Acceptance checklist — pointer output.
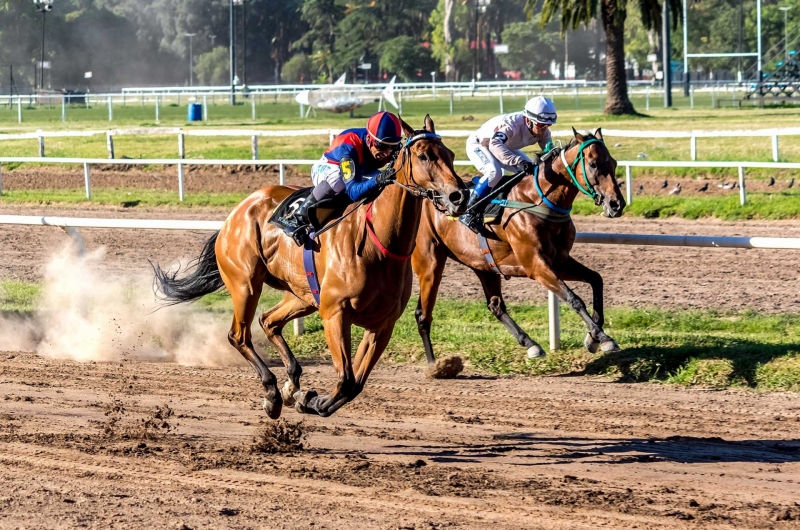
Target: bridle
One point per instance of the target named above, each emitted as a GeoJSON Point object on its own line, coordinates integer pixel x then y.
{"type": "Point", "coordinates": [588, 188]}
{"type": "Point", "coordinates": [405, 164]}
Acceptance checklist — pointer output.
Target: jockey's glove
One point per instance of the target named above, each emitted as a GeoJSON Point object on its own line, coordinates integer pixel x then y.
{"type": "Point", "coordinates": [387, 176]}
{"type": "Point", "coordinates": [529, 167]}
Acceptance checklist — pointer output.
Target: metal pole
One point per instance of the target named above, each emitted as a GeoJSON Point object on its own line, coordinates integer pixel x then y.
{"type": "Point", "coordinates": [180, 182]}
{"type": "Point", "coordinates": [299, 326]}
{"type": "Point", "coordinates": [63, 109]}
{"type": "Point", "coordinates": [774, 147]}
{"type": "Point", "coordinates": [110, 144]}
{"type": "Point", "coordinates": [232, 47]}
{"type": "Point", "coordinates": [41, 65]}
{"type": "Point", "coordinates": [252, 106]}
{"type": "Point", "coordinates": [86, 182]}
{"type": "Point", "coordinates": [158, 99]}
{"type": "Point", "coordinates": [451, 102]}
{"type": "Point", "coordinates": [254, 147]}
{"type": "Point", "coordinates": [1, 179]}
{"type": "Point", "coordinates": [693, 147]}
{"type": "Point", "coordinates": [191, 60]}
{"type": "Point", "coordinates": [686, 80]}
{"type": "Point", "coordinates": [41, 145]}
{"type": "Point", "coordinates": [555, 321]}
{"type": "Point", "coordinates": [758, 32]}
{"type": "Point", "coordinates": [501, 102]}
{"type": "Point", "coordinates": [691, 97]}
{"type": "Point", "coordinates": [742, 193]}
{"type": "Point", "coordinates": [110, 111]}
{"type": "Point", "coordinates": [281, 175]}
{"type": "Point", "coordinates": [666, 55]}
{"type": "Point", "coordinates": [628, 185]}
{"type": "Point", "coordinates": [19, 109]}
{"type": "Point", "coordinates": [181, 146]}
{"type": "Point", "coordinates": [205, 108]}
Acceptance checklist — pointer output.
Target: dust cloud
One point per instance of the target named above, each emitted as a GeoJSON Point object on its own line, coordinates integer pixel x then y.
{"type": "Point", "coordinates": [86, 314]}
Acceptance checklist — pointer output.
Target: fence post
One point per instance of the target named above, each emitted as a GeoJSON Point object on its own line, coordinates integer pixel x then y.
{"type": "Point", "coordinates": [647, 97]}
{"type": "Point", "coordinates": [180, 182]}
{"type": "Point", "coordinates": [63, 109]}
{"type": "Point", "coordinates": [281, 175]}
{"type": "Point", "coordinates": [400, 103]}
{"type": "Point", "coordinates": [1, 179]}
{"type": "Point", "coordinates": [693, 147]}
{"type": "Point", "coordinates": [205, 108]}
{"type": "Point", "coordinates": [110, 144]}
{"type": "Point", "coordinates": [158, 98]}
{"type": "Point", "coordinates": [19, 109]}
{"type": "Point", "coordinates": [252, 107]}
{"type": "Point", "coordinates": [501, 102]}
{"type": "Point", "coordinates": [742, 193]}
{"type": "Point", "coordinates": [554, 317]}
{"type": "Point", "coordinates": [86, 181]}
{"type": "Point", "coordinates": [110, 110]}
{"type": "Point", "coordinates": [302, 107]}
{"type": "Point", "coordinates": [41, 144]}
{"type": "Point", "coordinates": [691, 96]}
{"type": "Point", "coordinates": [451, 102]}
{"type": "Point", "coordinates": [254, 147]}
{"type": "Point", "coordinates": [181, 146]}
{"type": "Point", "coordinates": [299, 326]}
{"type": "Point", "coordinates": [774, 147]}
{"type": "Point", "coordinates": [629, 184]}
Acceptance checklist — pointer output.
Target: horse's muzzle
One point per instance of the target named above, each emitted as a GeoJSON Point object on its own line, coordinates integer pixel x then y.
{"type": "Point", "coordinates": [456, 202]}
{"type": "Point", "coordinates": [613, 207]}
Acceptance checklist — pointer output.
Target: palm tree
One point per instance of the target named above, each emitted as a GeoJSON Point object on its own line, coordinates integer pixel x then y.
{"type": "Point", "coordinates": [613, 14]}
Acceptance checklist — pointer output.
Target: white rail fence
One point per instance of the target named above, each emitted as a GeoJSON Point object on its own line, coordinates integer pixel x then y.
{"type": "Point", "coordinates": [71, 223]}
{"type": "Point", "coordinates": [181, 163]}
{"type": "Point", "coordinates": [255, 134]}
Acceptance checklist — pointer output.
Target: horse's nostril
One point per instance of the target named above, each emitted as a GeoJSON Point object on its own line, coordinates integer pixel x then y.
{"type": "Point", "coordinates": [614, 205]}
{"type": "Point", "coordinates": [456, 197]}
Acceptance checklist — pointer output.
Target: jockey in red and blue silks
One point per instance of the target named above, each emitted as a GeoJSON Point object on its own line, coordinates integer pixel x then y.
{"type": "Point", "coordinates": [352, 164]}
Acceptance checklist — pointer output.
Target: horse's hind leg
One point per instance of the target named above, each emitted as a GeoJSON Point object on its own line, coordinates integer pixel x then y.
{"type": "Point", "coordinates": [245, 294]}
{"type": "Point", "coordinates": [494, 301]}
{"type": "Point", "coordinates": [574, 270]}
{"type": "Point", "coordinates": [273, 322]}
{"type": "Point", "coordinates": [428, 265]}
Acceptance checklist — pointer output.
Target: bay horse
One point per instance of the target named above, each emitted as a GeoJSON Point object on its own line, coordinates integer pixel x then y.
{"type": "Point", "coordinates": [362, 267]}
{"type": "Point", "coordinates": [534, 242]}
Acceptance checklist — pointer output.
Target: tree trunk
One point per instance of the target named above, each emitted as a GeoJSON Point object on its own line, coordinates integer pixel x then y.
{"type": "Point", "coordinates": [617, 101]}
{"type": "Point", "coordinates": [449, 66]}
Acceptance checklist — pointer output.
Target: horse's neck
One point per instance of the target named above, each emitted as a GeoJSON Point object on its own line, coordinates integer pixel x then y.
{"type": "Point", "coordinates": [395, 217]}
{"type": "Point", "coordinates": [554, 183]}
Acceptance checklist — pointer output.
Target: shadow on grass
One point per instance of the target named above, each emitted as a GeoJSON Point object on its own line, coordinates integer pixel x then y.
{"type": "Point", "coordinates": [736, 362]}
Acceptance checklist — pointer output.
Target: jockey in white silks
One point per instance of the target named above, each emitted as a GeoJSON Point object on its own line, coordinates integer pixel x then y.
{"type": "Point", "coordinates": [497, 145]}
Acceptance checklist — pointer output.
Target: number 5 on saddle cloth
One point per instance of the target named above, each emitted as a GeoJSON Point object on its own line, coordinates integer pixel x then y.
{"type": "Point", "coordinates": [319, 214]}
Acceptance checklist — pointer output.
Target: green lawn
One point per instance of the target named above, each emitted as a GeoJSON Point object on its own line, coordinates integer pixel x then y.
{"type": "Point", "coordinates": [704, 348]}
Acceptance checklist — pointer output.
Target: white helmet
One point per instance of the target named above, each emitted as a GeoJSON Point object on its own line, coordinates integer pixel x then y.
{"type": "Point", "coordinates": [541, 110]}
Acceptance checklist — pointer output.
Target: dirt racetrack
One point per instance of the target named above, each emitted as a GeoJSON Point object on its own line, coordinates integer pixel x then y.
{"type": "Point", "coordinates": [147, 445]}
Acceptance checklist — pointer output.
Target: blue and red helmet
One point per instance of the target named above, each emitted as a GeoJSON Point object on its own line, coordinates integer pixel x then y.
{"type": "Point", "coordinates": [385, 128]}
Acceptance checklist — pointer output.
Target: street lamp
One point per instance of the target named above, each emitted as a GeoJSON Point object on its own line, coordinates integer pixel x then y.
{"type": "Point", "coordinates": [785, 31]}
{"type": "Point", "coordinates": [480, 7]}
{"type": "Point", "coordinates": [42, 6]}
{"type": "Point", "coordinates": [191, 57]}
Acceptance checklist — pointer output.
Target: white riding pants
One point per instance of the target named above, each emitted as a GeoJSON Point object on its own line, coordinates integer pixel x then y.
{"type": "Point", "coordinates": [485, 162]}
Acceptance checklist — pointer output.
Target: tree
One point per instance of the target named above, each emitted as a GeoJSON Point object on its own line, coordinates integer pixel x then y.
{"type": "Point", "coordinates": [297, 69]}
{"type": "Point", "coordinates": [404, 57]}
{"type": "Point", "coordinates": [612, 14]}
{"type": "Point", "coordinates": [530, 49]}
{"type": "Point", "coordinates": [212, 68]}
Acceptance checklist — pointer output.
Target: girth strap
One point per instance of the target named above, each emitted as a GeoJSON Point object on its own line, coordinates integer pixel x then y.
{"type": "Point", "coordinates": [371, 231]}
{"type": "Point", "coordinates": [483, 244]}
{"type": "Point", "coordinates": [310, 266]}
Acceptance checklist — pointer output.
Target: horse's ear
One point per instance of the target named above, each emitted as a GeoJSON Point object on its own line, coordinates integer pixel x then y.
{"type": "Point", "coordinates": [429, 124]}
{"type": "Point", "coordinates": [578, 136]}
{"type": "Point", "coordinates": [598, 134]}
{"type": "Point", "coordinates": [406, 128]}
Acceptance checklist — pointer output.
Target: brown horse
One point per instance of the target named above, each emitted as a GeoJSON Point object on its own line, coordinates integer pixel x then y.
{"type": "Point", "coordinates": [363, 269]}
{"type": "Point", "coordinates": [535, 243]}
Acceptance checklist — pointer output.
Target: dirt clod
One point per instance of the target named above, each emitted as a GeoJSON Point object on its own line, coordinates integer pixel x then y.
{"type": "Point", "coordinates": [445, 368]}
{"type": "Point", "coordinates": [279, 437]}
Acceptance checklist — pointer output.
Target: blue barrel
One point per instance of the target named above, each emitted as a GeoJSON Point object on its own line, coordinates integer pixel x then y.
{"type": "Point", "coordinates": [194, 112]}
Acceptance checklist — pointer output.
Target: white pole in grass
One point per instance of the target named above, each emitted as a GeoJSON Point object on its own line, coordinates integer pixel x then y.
{"type": "Point", "coordinates": [252, 107]}
{"type": "Point", "coordinates": [693, 147]}
{"type": "Point", "coordinates": [774, 147]}
{"type": "Point", "coordinates": [501, 102]}
{"type": "Point", "coordinates": [41, 144]}
{"type": "Point", "coordinates": [647, 97]}
{"type": "Point", "coordinates": [181, 145]}
{"type": "Point", "coordinates": [180, 182]}
{"type": "Point", "coordinates": [205, 108]}
{"type": "Point", "coordinates": [281, 175]}
{"type": "Point", "coordinates": [110, 110]}
{"type": "Point", "coordinates": [19, 109]}
{"type": "Point", "coordinates": [299, 326]}
{"type": "Point", "coordinates": [63, 109]}
{"type": "Point", "coordinates": [110, 144]}
{"type": "Point", "coordinates": [86, 181]}
{"type": "Point", "coordinates": [254, 147]}
{"type": "Point", "coordinates": [742, 193]}
{"type": "Point", "coordinates": [158, 99]}
{"type": "Point", "coordinates": [629, 185]}
{"type": "Point", "coordinates": [555, 321]}
{"type": "Point", "coordinates": [1, 179]}
{"type": "Point", "coordinates": [451, 102]}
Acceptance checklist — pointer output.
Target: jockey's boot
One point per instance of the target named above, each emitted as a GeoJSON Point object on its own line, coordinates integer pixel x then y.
{"type": "Point", "coordinates": [297, 223]}
{"type": "Point", "coordinates": [474, 218]}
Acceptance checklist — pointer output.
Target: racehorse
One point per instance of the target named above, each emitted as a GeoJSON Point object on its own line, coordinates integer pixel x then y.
{"type": "Point", "coordinates": [362, 268]}
{"type": "Point", "coordinates": [531, 240]}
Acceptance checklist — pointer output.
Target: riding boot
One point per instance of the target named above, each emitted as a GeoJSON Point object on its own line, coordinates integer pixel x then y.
{"type": "Point", "coordinates": [297, 223]}
{"type": "Point", "coordinates": [474, 218]}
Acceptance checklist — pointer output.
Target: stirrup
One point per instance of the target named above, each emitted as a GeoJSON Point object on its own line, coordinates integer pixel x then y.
{"type": "Point", "coordinates": [299, 235]}
{"type": "Point", "coordinates": [473, 221]}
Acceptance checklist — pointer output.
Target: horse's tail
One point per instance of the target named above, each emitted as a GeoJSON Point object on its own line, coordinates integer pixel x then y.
{"type": "Point", "coordinates": [205, 278]}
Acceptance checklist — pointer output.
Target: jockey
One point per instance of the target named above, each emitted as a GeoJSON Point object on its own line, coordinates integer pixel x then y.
{"type": "Point", "coordinates": [496, 146]}
{"type": "Point", "coordinates": [354, 157]}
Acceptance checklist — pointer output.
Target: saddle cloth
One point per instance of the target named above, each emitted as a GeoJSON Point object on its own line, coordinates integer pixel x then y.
{"type": "Point", "coordinates": [320, 214]}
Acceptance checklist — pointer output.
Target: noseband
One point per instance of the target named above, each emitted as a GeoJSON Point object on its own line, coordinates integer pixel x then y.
{"type": "Point", "coordinates": [413, 187]}
{"type": "Point", "coordinates": [589, 189]}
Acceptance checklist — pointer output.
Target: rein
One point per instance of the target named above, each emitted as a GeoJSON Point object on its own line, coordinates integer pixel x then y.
{"type": "Point", "coordinates": [589, 190]}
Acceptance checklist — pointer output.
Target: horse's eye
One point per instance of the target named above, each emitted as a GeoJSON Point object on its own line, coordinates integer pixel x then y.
{"type": "Point", "coordinates": [423, 157]}
{"type": "Point", "coordinates": [593, 165]}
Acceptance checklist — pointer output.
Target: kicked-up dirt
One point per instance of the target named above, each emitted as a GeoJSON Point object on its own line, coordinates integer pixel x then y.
{"type": "Point", "coordinates": [149, 445]}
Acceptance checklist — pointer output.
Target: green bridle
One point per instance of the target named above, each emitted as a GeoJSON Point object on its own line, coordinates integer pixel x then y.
{"type": "Point", "coordinates": [589, 189]}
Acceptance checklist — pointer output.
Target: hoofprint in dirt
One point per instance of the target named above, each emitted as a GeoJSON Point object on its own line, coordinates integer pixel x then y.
{"type": "Point", "coordinates": [638, 276]}
{"type": "Point", "coordinates": [150, 445]}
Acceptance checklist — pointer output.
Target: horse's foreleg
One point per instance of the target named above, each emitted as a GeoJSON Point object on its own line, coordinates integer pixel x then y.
{"type": "Point", "coordinates": [494, 301]}
{"type": "Point", "coordinates": [273, 322]}
{"type": "Point", "coordinates": [337, 335]}
{"type": "Point", "coordinates": [428, 265]}
{"type": "Point", "coordinates": [543, 272]}
{"type": "Point", "coordinates": [369, 351]}
{"type": "Point", "coordinates": [245, 301]}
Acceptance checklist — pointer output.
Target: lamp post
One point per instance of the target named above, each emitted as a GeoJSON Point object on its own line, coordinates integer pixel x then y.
{"type": "Point", "coordinates": [785, 30]}
{"type": "Point", "coordinates": [43, 7]}
{"type": "Point", "coordinates": [191, 57]}
{"type": "Point", "coordinates": [480, 7]}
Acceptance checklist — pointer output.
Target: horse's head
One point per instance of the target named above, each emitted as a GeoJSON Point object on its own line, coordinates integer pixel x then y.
{"type": "Point", "coordinates": [592, 169]}
{"type": "Point", "coordinates": [426, 163]}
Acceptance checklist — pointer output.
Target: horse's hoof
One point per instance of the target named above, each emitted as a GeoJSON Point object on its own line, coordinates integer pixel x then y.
{"type": "Point", "coordinates": [610, 346]}
{"type": "Point", "coordinates": [590, 343]}
{"type": "Point", "coordinates": [301, 400]}
{"type": "Point", "coordinates": [287, 393]}
{"type": "Point", "coordinates": [273, 407]}
{"type": "Point", "coordinates": [536, 351]}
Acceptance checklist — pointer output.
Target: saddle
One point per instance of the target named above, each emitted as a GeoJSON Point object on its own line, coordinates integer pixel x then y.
{"type": "Point", "coordinates": [320, 214]}
{"type": "Point", "coordinates": [493, 212]}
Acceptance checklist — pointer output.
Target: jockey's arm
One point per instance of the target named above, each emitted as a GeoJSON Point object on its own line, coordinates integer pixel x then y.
{"type": "Point", "coordinates": [498, 147]}
{"type": "Point", "coordinates": [355, 185]}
